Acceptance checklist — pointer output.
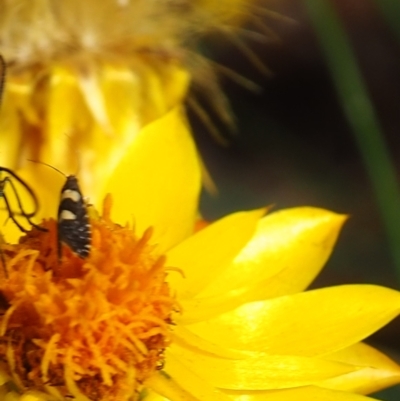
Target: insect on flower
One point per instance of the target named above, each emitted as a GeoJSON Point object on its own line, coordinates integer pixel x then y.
{"type": "Point", "coordinates": [73, 226]}
{"type": "Point", "coordinates": [73, 220]}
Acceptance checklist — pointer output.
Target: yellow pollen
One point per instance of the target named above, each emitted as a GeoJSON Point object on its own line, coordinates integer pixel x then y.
{"type": "Point", "coordinates": [93, 328]}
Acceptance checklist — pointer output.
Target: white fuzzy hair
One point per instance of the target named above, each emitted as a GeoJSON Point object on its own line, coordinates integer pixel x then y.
{"type": "Point", "coordinates": [37, 32]}
{"type": "Point", "coordinates": [34, 34]}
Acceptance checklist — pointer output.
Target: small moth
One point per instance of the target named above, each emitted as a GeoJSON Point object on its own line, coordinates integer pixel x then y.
{"type": "Point", "coordinates": [73, 227]}
{"type": "Point", "coordinates": [73, 221]}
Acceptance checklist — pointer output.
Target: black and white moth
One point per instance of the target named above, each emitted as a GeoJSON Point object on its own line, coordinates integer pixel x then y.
{"type": "Point", "coordinates": [73, 220]}
{"type": "Point", "coordinates": [73, 227]}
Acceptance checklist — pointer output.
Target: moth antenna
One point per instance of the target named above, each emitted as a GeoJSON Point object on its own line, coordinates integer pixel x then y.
{"type": "Point", "coordinates": [48, 165]}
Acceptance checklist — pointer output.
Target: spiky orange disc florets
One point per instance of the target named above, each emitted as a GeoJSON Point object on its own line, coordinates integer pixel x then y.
{"type": "Point", "coordinates": [92, 329]}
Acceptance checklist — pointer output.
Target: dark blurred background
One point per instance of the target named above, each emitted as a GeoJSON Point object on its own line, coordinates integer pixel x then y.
{"type": "Point", "coordinates": [295, 147]}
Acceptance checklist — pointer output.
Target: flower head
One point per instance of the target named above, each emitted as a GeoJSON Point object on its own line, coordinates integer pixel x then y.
{"type": "Point", "coordinates": [221, 310]}
{"type": "Point", "coordinates": [96, 327]}
{"type": "Point", "coordinates": [85, 77]}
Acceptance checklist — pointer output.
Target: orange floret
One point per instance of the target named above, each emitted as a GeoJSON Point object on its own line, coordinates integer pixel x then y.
{"type": "Point", "coordinates": [93, 329]}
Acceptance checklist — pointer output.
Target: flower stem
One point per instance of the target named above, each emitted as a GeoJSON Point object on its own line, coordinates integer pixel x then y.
{"type": "Point", "coordinates": [361, 115]}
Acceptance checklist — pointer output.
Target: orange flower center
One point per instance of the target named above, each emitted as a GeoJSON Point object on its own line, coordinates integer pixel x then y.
{"type": "Point", "coordinates": [94, 329]}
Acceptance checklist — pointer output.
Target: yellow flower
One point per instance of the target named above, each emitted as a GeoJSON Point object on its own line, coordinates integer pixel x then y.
{"type": "Point", "coordinates": [169, 312]}
{"type": "Point", "coordinates": [85, 77]}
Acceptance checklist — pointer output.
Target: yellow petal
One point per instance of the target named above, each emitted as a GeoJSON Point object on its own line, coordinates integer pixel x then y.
{"type": "Point", "coordinates": [311, 323]}
{"type": "Point", "coordinates": [151, 395]}
{"type": "Point", "coordinates": [379, 371]}
{"type": "Point", "coordinates": [175, 80]}
{"type": "Point", "coordinates": [259, 372]}
{"type": "Point", "coordinates": [123, 100]}
{"type": "Point", "coordinates": [95, 113]}
{"type": "Point", "coordinates": [299, 394]}
{"type": "Point", "coordinates": [187, 339]}
{"type": "Point", "coordinates": [13, 396]}
{"type": "Point", "coordinates": [154, 101]}
{"type": "Point", "coordinates": [157, 182]}
{"type": "Point", "coordinates": [114, 99]}
{"type": "Point", "coordinates": [89, 83]}
{"type": "Point", "coordinates": [183, 385]}
{"type": "Point", "coordinates": [202, 256]}
{"type": "Point", "coordinates": [166, 387]}
{"type": "Point", "coordinates": [200, 309]}
{"type": "Point", "coordinates": [288, 250]}
{"type": "Point", "coordinates": [35, 396]}
{"type": "Point", "coordinates": [66, 112]}
{"type": "Point", "coordinates": [10, 133]}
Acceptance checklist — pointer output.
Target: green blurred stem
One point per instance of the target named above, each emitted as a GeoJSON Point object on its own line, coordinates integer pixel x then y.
{"type": "Point", "coordinates": [361, 116]}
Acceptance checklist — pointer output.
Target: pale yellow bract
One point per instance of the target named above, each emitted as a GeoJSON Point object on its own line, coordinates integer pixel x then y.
{"type": "Point", "coordinates": [82, 122]}
{"type": "Point", "coordinates": [247, 331]}
{"type": "Point", "coordinates": [84, 77]}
